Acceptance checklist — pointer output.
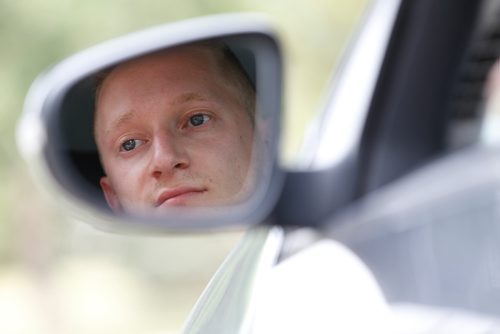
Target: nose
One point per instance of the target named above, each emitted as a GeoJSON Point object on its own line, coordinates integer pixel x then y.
{"type": "Point", "coordinates": [167, 156]}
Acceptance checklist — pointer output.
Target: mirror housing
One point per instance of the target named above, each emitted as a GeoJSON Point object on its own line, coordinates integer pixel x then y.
{"type": "Point", "coordinates": [58, 108]}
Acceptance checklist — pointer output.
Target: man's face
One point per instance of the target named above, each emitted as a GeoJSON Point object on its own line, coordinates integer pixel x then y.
{"type": "Point", "coordinates": [172, 131]}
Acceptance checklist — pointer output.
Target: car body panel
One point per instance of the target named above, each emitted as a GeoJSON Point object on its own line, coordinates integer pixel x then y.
{"type": "Point", "coordinates": [228, 303]}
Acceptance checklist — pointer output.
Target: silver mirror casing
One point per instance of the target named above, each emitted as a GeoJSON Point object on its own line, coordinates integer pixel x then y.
{"type": "Point", "coordinates": [41, 138]}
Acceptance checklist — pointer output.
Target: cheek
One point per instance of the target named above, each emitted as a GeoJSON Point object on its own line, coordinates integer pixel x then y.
{"type": "Point", "coordinates": [243, 149]}
{"type": "Point", "coordinates": [229, 161]}
{"type": "Point", "coordinates": [127, 180]}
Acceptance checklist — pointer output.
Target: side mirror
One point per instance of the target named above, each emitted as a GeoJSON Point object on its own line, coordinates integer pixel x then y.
{"type": "Point", "coordinates": [176, 127]}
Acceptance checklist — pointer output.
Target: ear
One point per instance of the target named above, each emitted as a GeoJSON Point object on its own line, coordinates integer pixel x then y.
{"type": "Point", "coordinates": [110, 195]}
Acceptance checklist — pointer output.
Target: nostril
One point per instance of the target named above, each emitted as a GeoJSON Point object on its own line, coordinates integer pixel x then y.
{"type": "Point", "coordinates": [180, 165]}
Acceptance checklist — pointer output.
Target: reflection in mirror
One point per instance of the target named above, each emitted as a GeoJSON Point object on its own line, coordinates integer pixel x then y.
{"type": "Point", "coordinates": [175, 128]}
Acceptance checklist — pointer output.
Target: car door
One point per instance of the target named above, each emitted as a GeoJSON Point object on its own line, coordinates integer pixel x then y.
{"type": "Point", "coordinates": [425, 221]}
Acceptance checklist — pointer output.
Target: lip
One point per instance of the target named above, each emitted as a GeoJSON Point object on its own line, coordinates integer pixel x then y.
{"type": "Point", "coordinates": [178, 195]}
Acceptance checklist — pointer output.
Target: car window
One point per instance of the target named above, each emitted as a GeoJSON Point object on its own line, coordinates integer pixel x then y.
{"type": "Point", "coordinates": [58, 275]}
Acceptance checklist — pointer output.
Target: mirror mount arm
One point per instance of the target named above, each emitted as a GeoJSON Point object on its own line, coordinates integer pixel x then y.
{"type": "Point", "coordinates": [309, 198]}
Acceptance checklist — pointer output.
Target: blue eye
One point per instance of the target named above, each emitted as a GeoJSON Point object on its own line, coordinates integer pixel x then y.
{"type": "Point", "coordinates": [198, 119]}
{"type": "Point", "coordinates": [130, 144]}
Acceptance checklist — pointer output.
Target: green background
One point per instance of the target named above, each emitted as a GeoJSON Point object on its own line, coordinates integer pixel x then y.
{"type": "Point", "coordinates": [58, 275]}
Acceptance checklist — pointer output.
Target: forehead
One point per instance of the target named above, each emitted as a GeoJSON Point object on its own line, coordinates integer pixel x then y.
{"type": "Point", "coordinates": [137, 84]}
{"type": "Point", "coordinates": [164, 73]}
{"type": "Point", "coordinates": [172, 63]}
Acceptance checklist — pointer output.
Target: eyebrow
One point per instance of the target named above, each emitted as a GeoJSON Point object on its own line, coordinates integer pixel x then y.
{"type": "Point", "coordinates": [188, 97]}
{"type": "Point", "coordinates": [125, 117]}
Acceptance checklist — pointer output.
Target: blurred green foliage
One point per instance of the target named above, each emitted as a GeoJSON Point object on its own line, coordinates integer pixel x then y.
{"type": "Point", "coordinates": [37, 33]}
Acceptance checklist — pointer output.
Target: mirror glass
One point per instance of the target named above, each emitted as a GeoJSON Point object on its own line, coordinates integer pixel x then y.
{"type": "Point", "coordinates": [178, 129]}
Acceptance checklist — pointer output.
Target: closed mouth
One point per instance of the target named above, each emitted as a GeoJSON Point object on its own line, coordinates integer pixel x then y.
{"type": "Point", "coordinates": [178, 196]}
